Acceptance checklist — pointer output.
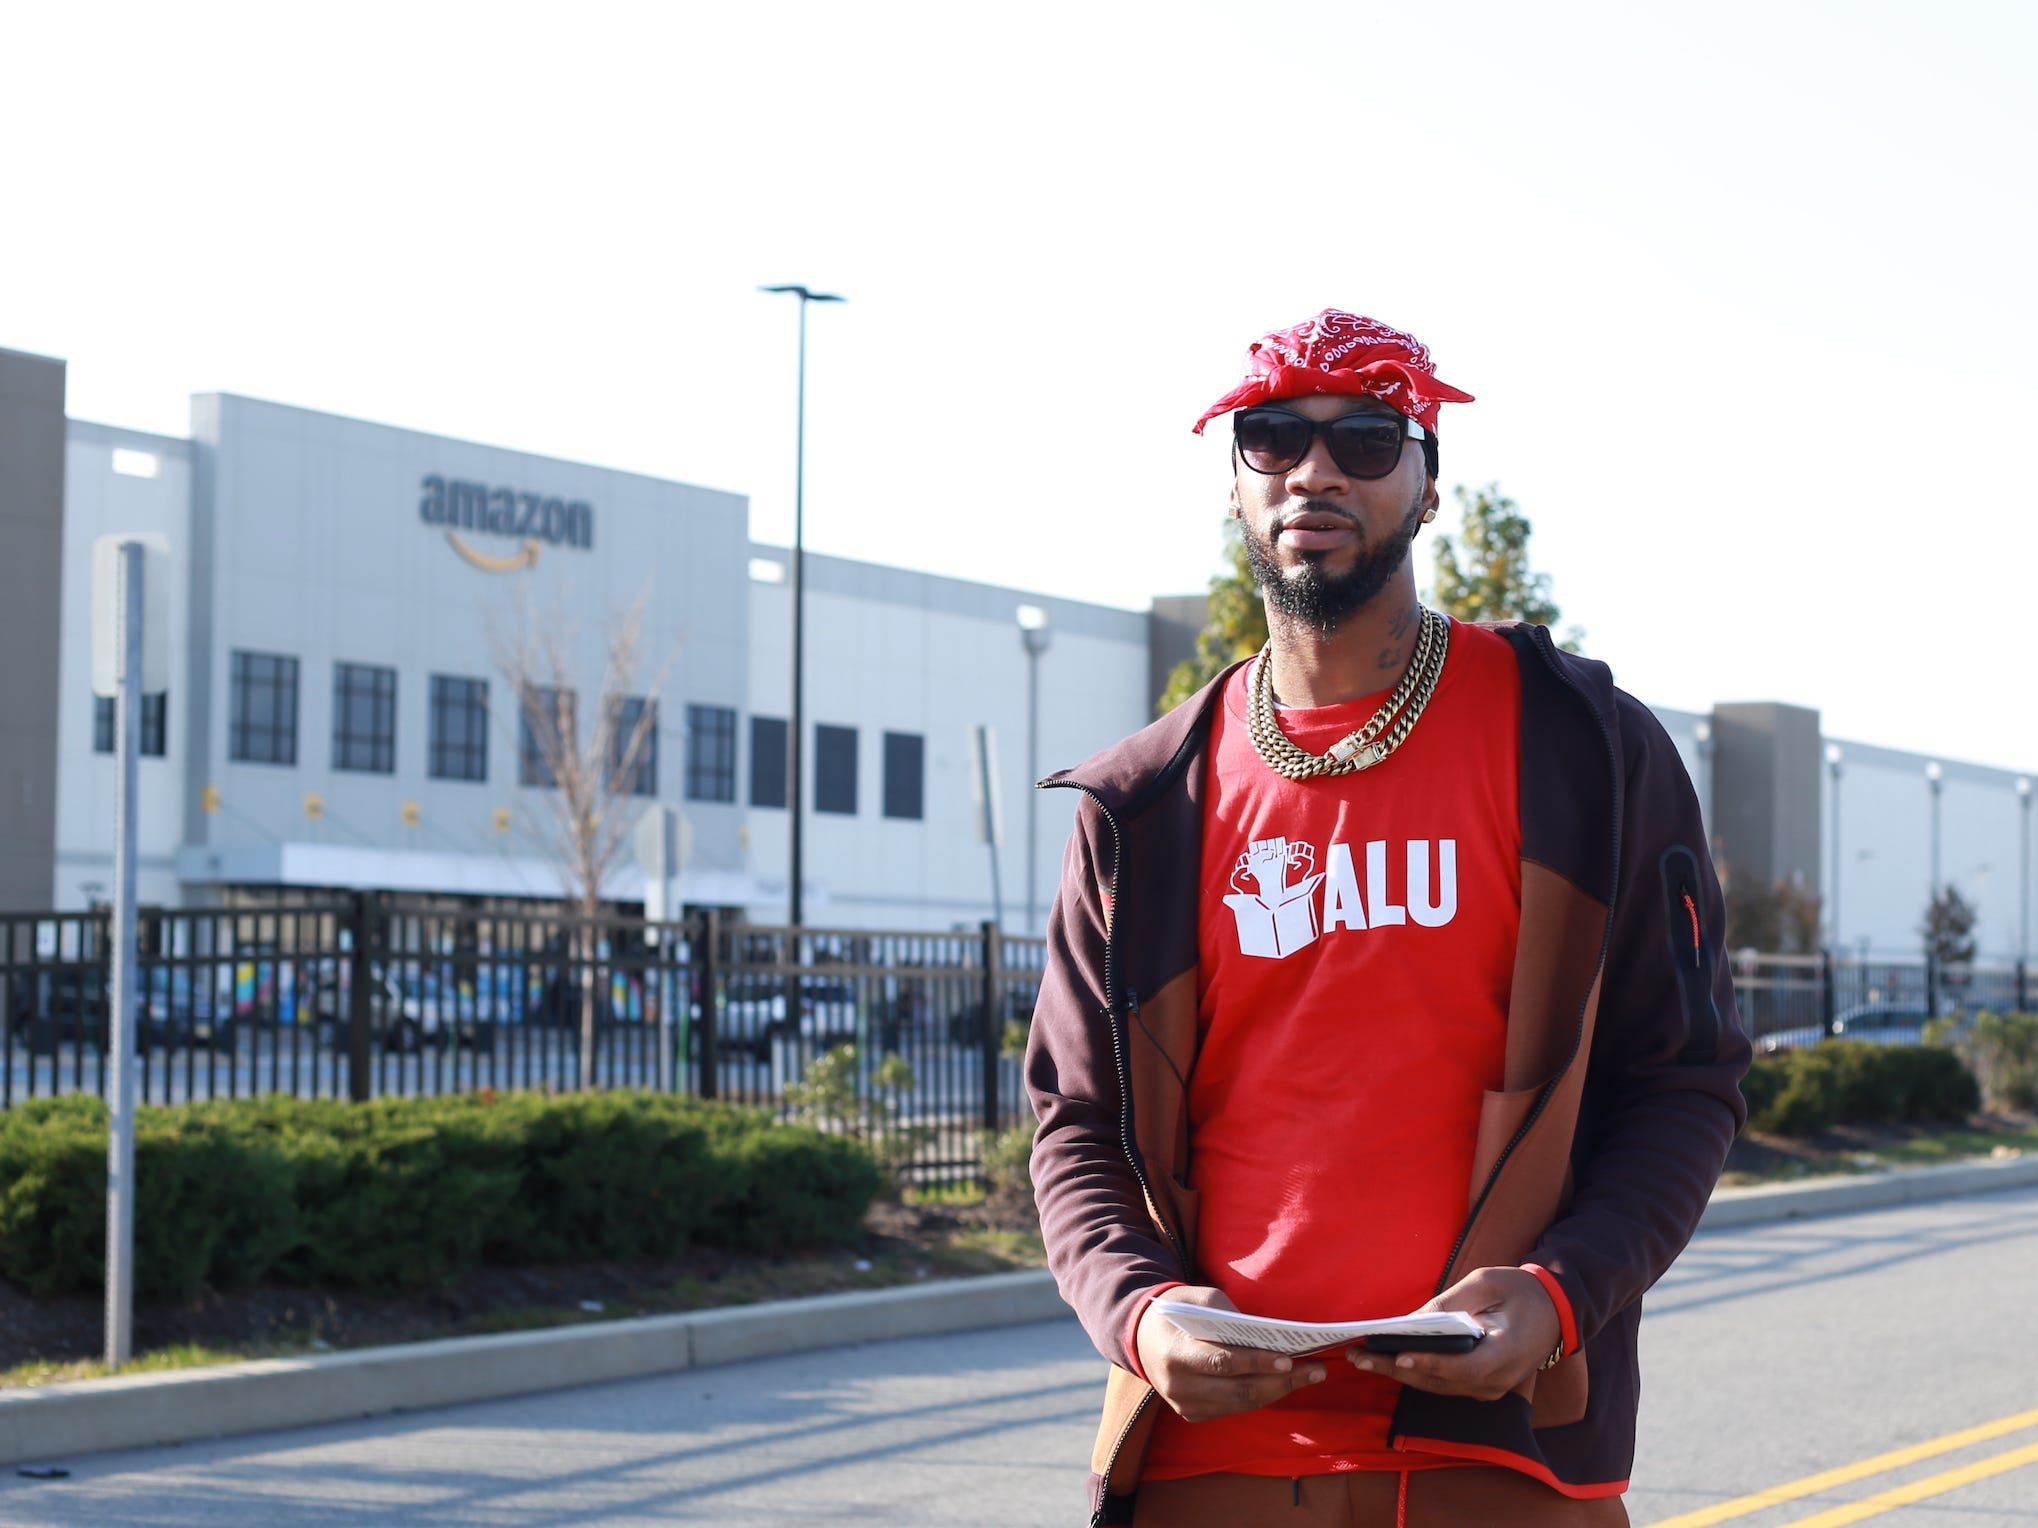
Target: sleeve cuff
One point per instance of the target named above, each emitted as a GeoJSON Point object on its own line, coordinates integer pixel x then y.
{"type": "Point", "coordinates": [1567, 1323]}
{"type": "Point", "coordinates": [1132, 1326]}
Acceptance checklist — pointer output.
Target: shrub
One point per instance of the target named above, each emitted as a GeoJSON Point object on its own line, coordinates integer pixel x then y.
{"type": "Point", "coordinates": [1845, 1082]}
{"type": "Point", "coordinates": [405, 1194]}
{"type": "Point", "coordinates": [2001, 1049]}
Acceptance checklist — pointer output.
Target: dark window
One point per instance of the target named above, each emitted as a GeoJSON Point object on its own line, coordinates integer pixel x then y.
{"type": "Point", "coordinates": [364, 718]}
{"type": "Point", "coordinates": [767, 760]}
{"type": "Point", "coordinates": [634, 775]}
{"type": "Point", "coordinates": [155, 725]}
{"type": "Point", "coordinates": [262, 728]}
{"type": "Point", "coordinates": [459, 728]}
{"type": "Point", "coordinates": [835, 769]}
{"type": "Point", "coordinates": [711, 755]}
{"type": "Point", "coordinates": [905, 758]}
{"type": "Point", "coordinates": [551, 712]}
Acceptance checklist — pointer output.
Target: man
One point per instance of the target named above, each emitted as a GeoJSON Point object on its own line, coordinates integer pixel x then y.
{"type": "Point", "coordinates": [1384, 974]}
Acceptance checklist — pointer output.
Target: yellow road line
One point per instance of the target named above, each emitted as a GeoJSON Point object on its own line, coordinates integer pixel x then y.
{"type": "Point", "coordinates": [1918, 1490]}
{"type": "Point", "coordinates": [1846, 1474]}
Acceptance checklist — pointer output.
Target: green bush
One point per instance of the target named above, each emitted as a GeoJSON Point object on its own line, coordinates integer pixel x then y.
{"type": "Point", "coordinates": [1846, 1082]}
{"type": "Point", "coordinates": [405, 1194]}
{"type": "Point", "coordinates": [2001, 1049]}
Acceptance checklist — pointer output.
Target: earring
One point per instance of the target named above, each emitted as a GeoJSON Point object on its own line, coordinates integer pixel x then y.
{"type": "Point", "coordinates": [1428, 515]}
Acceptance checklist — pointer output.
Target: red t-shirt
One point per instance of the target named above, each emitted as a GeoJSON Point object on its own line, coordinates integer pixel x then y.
{"type": "Point", "coordinates": [1357, 946]}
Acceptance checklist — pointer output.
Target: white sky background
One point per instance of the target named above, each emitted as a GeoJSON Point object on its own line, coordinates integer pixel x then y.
{"type": "Point", "coordinates": [1745, 291]}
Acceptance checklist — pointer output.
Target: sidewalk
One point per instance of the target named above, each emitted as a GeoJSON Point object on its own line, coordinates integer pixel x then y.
{"type": "Point", "coordinates": [92, 1416]}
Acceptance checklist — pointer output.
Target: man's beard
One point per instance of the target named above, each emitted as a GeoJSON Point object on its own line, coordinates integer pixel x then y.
{"type": "Point", "coordinates": [1313, 594]}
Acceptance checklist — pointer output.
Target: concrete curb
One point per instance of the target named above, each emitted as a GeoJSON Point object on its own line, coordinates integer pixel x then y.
{"type": "Point", "coordinates": [1732, 1207]}
{"type": "Point", "coordinates": [135, 1411]}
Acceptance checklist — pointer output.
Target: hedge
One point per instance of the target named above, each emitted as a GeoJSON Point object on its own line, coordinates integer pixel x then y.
{"type": "Point", "coordinates": [1850, 1082]}
{"type": "Point", "coordinates": [406, 1194]}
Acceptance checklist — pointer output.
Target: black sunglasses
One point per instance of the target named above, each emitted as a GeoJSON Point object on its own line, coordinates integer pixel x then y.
{"type": "Point", "coordinates": [1364, 445]}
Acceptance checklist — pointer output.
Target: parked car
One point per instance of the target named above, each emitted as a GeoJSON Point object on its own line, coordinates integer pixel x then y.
{"type": "Point", "coordinates": [185, 1006]}
{"type": "Point", "coordinates": [435, 1005]}
{"type": "Point", "coordinates": [752, 1013]}
{"type": "Point", "coordinates": [1881, 1023]}
{"type": "Point", "coordinates": [56, 1005]}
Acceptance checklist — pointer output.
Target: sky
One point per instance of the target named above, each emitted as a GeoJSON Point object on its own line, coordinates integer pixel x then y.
{"type": "Point", "coordinates": [1744, 291]}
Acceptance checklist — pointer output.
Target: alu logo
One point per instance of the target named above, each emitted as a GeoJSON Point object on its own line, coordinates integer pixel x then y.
{"type": "Point", "coordinates": [1275, 883]}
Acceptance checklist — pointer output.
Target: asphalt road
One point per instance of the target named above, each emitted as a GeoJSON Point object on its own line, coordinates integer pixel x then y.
{"type": "Point", "coordinates": [1770, 1355]}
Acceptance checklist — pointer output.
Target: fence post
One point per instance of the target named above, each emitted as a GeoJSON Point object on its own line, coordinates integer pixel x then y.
{"type": "Point", "coordinates": [993, 1030]}
{"type": "Point", "coordinates": [360, 1000]}
{"type": "Point", "coordinates": [708, 957]}
{"type": "Point", "coordinates": [1828, 1006]}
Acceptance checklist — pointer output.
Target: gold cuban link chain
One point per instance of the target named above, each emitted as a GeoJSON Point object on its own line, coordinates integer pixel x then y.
{"type": "Point", "coordinates": [1366, 746]}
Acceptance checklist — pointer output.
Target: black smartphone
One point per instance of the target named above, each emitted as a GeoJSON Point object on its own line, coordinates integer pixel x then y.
{"type": "Point", "coordinates": [1389, 1342]}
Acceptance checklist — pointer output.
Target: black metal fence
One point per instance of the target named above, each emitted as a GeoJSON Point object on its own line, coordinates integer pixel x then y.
{"type": "Point", "coordinates": [1790, 1001]}
{"type": "Point", "coordinates": [911, 1040]}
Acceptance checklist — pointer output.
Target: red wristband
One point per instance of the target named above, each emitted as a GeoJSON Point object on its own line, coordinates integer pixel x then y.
{"type": "Point", "coordinates": [1567, 1323]}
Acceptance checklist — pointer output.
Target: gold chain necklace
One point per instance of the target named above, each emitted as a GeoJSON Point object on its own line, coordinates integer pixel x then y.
{"type": "Point", "coordinates": [1366, 746]}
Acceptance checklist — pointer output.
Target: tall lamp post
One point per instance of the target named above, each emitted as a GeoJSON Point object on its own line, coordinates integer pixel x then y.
{"type": "Point", "coordinates": [795, 721]}
{"type": "Point", "coordinates": [2024, 889]}
{"type": "Point", "coordinates": [1935, 778]}
{"type": "Point", "coordinates": [1703, 732]}
{"type": "Point", "coordinates": [1034, 636]}
{"type": "Point", "coordinates": [1833, 758]}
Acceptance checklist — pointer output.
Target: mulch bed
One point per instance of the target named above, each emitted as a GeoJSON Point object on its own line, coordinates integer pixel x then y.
{"type": "Point", "coordinates": [902, 1242]}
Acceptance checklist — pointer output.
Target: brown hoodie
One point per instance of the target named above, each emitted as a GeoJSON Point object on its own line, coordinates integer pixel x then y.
{"type": "Point", "coordinates": [1594, 1160]}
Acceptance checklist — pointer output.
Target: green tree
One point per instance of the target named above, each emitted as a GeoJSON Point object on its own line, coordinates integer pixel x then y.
{"type": "Point", "coordinates": [1484, 573]}
{"type": "Point", "coordinates": [1949, 928]}
{"type": "Point", "coordinates": [1235, 628]}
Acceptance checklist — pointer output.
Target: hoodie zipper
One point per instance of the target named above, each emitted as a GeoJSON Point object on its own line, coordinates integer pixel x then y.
{"type": "Point", "coordinates": [1542, 641]}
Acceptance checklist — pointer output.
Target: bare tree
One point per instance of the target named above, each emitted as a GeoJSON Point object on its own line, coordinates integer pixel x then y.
{"type": "Point", "coordinates": [593, 793]}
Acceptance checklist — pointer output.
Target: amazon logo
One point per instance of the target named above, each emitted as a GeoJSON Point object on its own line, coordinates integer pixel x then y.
{"type": "Point", "coordinates": [533, 518]}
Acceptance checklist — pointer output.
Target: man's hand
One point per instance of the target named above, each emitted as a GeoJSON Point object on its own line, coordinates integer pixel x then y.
{"type": "Point", "coordinates": [1521, 1331]}
{"type": "Point", "coordinates": [1201, 1380]}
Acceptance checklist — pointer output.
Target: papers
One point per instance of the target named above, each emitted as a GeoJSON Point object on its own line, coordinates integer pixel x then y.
{"type": "Point", "coordinates": [1236, 1330]}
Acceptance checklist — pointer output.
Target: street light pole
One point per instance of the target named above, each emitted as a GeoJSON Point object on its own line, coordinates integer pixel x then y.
{"type": "Point", "coordinates": [1935, 777]}
{"type": "Point", "coordinates": [1033, 633]}
{"type": "Point", "coordinates": [1703, 732]}
{"type": "Point", "coordinates": [1833, 757]}
{"type": "Point", "coordinates": [795, 721]}
{"type": "Point", "coordinates": [2024, 878]}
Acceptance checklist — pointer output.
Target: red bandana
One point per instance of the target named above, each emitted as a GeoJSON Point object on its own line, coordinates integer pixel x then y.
{"type": "Point", "coordinates": [1338, 352]}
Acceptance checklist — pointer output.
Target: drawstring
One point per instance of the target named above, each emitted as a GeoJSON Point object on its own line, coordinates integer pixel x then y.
{"type": "Point", "coordinates": [1401, 1503]}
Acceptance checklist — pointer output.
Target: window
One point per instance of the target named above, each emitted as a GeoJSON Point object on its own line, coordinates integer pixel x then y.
{"type": "Point", "coordinates": [364, 718]}
{"type": "Point", "coordinates": [905, 758]}
{"type": "Point", "coordinates": [155, 725]}
{"type": "Point", "coordinates": [641, 777]}
{"type": "Point", "coordinates": [459, 728]}
{"type": "Point", "coordinates": [554, 735]}
{"type": "Point", "coordinates": [262, 728]}
{"type": "Point", "coordinates": [767, 760]}
{"type": "Point", "coordinates": [835, 769]}
{"type": "Point", "coordinates": [711, 755]}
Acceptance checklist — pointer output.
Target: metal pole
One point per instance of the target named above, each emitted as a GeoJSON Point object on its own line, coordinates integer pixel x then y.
{"type": "Point", "coordinates": [794, 908]}
{"type": "Point", "coordinates": [1836, 851]}
{"type": "Point", "coordinates": [989, 823]}
{"type": "Point", "coordinates": [120, 1090]}
{"type": "Point", "coordinates": [792, 733]}
{"type": "Point", "coordinates": [1032, 774]}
